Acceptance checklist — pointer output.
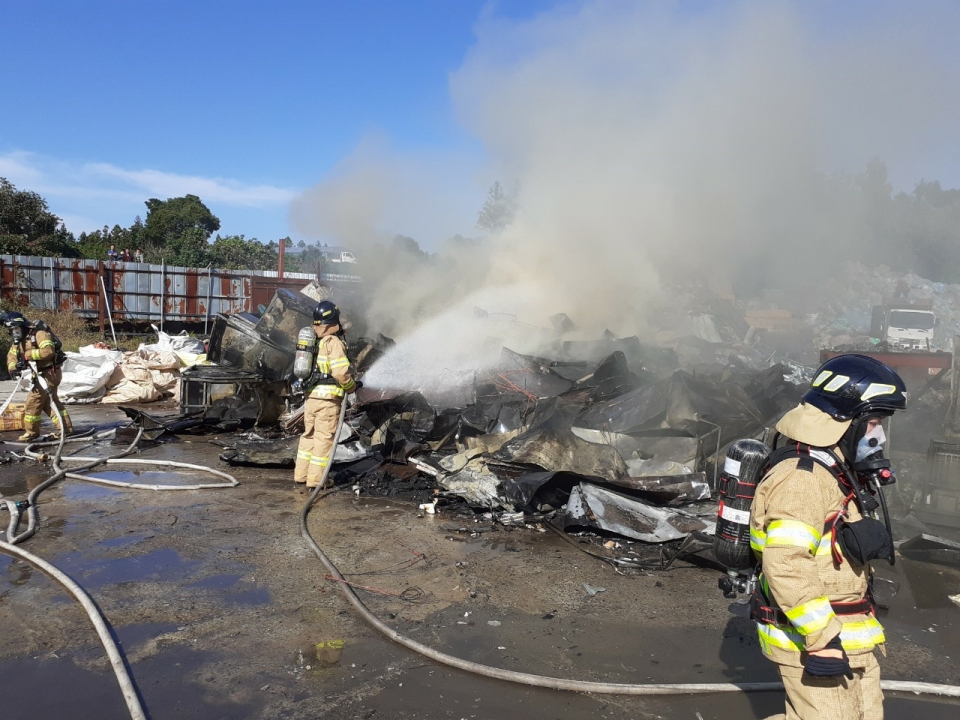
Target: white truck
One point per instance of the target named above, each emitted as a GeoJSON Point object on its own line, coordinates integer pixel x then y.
{"type": "Point", "coordinates": [905, 326]}
{"type": "Point", "coordinates": [338, 255]}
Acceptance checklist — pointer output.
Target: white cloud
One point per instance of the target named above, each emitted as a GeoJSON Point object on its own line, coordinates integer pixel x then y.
{"type": "Point", "coordinates": [91, 195]}
{"type": "Point", "coordinates": [229, 192]}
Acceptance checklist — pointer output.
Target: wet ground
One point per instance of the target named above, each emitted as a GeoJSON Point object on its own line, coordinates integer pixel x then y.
{"type": "Point", "coordinates": [220, 609]}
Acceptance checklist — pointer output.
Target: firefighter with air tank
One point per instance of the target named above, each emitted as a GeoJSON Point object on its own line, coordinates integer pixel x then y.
{"type": "Point", "coordinates": [322, 371]}
{"type": "Point", "coordinates": [36, 349]}
{"type": "Point", "coordinates": [811, 525]}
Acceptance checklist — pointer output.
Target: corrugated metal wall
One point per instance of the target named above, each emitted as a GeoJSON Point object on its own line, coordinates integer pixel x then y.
{"type": "Point", "coordinates": [140, 292]}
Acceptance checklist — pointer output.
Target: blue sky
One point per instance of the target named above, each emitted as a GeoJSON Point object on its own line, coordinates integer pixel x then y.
{"type": "Point", "coordinates": [108, 103]}
{"type": "Point", "coordinates": [248, 104]}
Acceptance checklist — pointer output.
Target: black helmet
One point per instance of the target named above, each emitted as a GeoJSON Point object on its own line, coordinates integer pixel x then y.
{"type": "Point", "coordinates": [857, 388]}
{"type": "Point", "coordinates": [326, 313]}
{"type": "Point", "coordinates": [849, 386]}
{"type": "Point", "coordinates": [18, 325]}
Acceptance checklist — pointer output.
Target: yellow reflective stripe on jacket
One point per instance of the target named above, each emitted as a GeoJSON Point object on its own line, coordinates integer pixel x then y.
{"type": "Point", "coordinates": [35, 354]}
{"type": "Point", "coordinates": [350, 386]}
{"type": "Point", "coordinates": [862, 634]}
{"type": "Point", "coordinates": [856, 636]}
{"type": "Point", "coordinates": [340, 362]}
{"type": "Point", "coordinates": [325, 391]}
{"type": "Point", "coordinates": [811, 617]}
{"type": "Point", "coordinates": [792, 533]}
{"type": "Point", "coordinates": [774, 635]}
{"type": "Point", "coordinates": [758, 540]}
{"type": "Point", "coordinates": [825, 546]}
{"type": "Point", "coordinates": [47, 343]}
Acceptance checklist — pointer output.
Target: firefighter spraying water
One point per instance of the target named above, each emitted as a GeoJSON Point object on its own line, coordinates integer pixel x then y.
{"type": "Point", "coordinates": [797, 530]}
{"type": "Point", "coordinates": [324, 376]}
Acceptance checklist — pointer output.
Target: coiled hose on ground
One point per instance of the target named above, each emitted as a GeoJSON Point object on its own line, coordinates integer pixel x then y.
{"type": "Point", "coordinates": [130, 695]}
{"type": "Point", "coordinates": [543, 680]}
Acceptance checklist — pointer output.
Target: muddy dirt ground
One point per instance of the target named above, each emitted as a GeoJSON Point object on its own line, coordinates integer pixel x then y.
{"type": "Point", "coordinates": [220, 606]}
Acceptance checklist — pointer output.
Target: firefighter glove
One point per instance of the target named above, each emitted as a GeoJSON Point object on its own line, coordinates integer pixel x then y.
{"type": "Point", "coordinates": [830, 666]}
{"type": "Point", "coordinates": [21, 365]}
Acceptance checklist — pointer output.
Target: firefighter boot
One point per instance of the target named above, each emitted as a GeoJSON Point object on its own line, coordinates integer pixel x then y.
{"type": "Point", "coordinates": [31, 428]}
{"type": "Point", "coordinates": [67, 423]}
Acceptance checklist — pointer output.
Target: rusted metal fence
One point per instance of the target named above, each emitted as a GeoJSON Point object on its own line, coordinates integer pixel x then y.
{"type": "Point", "coordinates": [142, 293]}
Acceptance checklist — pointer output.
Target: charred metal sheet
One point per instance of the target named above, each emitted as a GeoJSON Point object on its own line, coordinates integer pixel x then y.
{"type": "Point", "coordinates": [932, 549]}
{"type": "Point", "coordinates": [552, 446]}
{"type": "Point", "coordinates": [670, 490]}
{"type": "Point", "coordinates": [235, 342]}
{"type": "Point", "coordinates": [594, 507]}
{"type": "Point", "coordinates": [283, 318]}
{"type": "Point", "coordinates": [476, 484]}
{"type": "Point", "coordinates": [522, 376]}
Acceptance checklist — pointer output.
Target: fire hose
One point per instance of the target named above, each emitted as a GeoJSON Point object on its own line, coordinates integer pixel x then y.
{"type": "Point", "coordinates": [130, 695]}
{"type": "Point", "coordinates": [554, 683]}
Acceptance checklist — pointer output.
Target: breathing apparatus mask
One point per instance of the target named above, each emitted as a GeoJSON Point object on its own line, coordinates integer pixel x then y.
{"type": "Point", "coordinates": [867, 438]}
{"type": "Point", "coordinates": [868, 538]}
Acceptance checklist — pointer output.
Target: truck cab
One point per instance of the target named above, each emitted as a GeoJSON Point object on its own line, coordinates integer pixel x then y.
{"type": "Point", "coordinates": [338, 255]}
{"type": "Point", "coordinates": [905, 326]}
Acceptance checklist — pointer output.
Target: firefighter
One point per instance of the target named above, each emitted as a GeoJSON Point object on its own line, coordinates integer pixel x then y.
{"type": "Point", "coordinates": [815, 617]}
{"type": "Point", "coordinates": [34, 342]}
{"type": "Point", "coordinates": [330, 382]}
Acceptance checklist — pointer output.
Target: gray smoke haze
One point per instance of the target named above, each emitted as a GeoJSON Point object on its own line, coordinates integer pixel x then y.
{"type": "Point", "coordinates": [651, 141]}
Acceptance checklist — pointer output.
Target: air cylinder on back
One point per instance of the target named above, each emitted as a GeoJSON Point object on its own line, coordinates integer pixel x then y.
{"type": "Point", "coordinates": [742, 470]}
{"type": "Point", "coordinates": [306, 352]}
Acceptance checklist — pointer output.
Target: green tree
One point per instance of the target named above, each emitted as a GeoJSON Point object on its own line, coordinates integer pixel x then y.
{"type": "Point", "coordinates": [235, 252]}
{"type": "Point", "coordinates": [499, 209]}
{"type": "Point", "coordinates": [177, 231]}
{"type": "Point", "coordinates": [27, 227]}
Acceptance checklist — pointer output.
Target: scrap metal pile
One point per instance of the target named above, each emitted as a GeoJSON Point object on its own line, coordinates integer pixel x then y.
{"type": "Point", "coordinates": [610, 436]}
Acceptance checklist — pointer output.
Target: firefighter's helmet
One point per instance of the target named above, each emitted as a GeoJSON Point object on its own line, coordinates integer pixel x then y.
{"type": "Point", "coordinates": [326, 313]}
{"type": "Point", "coordinates": [851, 386]}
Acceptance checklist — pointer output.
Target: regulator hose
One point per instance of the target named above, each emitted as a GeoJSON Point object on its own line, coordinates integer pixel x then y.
{"type": "Point", "coordinates": [584, 686]}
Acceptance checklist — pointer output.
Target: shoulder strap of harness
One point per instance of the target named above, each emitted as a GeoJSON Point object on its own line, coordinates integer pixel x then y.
{"type": "Point", "coordinates": [807, 461]}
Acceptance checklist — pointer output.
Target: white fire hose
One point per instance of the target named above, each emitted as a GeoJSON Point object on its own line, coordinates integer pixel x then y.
{"type": "Point", "coordinates": [585, 686]}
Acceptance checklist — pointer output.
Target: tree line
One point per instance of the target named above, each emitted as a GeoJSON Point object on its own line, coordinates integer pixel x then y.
{"type": "Point", "coordinates": [176, 231]}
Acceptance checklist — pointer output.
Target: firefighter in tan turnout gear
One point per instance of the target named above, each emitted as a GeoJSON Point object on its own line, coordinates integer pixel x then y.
{"type": "Point", "coordinates": [330, 381]}
{"type": "Point", "coordinates": [35, 343]}
{"type": "Point", "coordinates": [810, 526]}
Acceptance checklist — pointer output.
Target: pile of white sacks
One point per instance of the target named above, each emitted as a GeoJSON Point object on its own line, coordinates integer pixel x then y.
{"type": "Point", "coordinates": [149, 373]}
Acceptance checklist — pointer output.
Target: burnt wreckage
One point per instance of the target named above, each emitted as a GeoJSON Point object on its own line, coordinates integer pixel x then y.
{"type": "Point", "coordinates": [609, 437]}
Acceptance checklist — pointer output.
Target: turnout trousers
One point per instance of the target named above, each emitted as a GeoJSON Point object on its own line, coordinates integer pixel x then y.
{"type": "Point", "coordinates": [38, 403]}
{"type": "Point", "coordinates": [320, 417]}
{"type": "Point", "coordinates": [833, 698]}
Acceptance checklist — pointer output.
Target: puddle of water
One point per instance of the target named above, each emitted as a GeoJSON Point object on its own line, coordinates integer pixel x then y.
{"type": "Point", "coordinates": [80, 490]}
{"type": "Point", "coordinates": [150, 477]}
{"type": "Point", "coordinates": [61, 688]}
{"type": "Point", "coordinates": [162, 565]}
{"type": "Point", "coordinates": [232, 590]}
{"type": "Point", "coordinates": [216, 582]}
{"type": "Point", "coordinates": [124, 540]}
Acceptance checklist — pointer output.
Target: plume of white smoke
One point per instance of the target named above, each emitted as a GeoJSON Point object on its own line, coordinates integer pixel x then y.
{"type": "Point", "coordinates": [653, 141]}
